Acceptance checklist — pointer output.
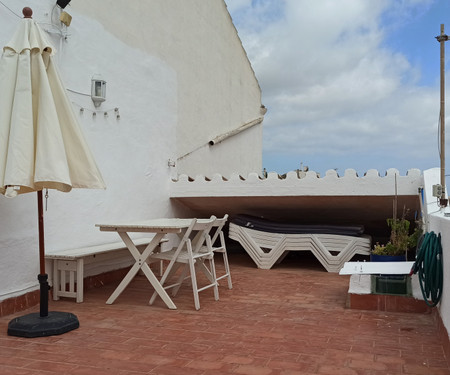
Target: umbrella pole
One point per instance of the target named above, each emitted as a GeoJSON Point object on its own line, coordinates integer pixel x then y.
{"type": "Point", "coordinates": [42, 277]}
{"type": "Point", "coordinates": [42, 323]}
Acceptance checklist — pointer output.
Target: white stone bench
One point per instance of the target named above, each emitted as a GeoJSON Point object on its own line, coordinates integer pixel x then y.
{"type": "Point", "coordinates": [68, 266]}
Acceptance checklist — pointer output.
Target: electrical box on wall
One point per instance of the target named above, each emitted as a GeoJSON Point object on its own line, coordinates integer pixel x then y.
{"type": "Point", "coordinates": [437, 190]}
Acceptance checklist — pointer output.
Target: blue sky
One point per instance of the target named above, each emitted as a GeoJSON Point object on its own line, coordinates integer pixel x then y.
{"type": "Point", "coordinates": [349, 83]}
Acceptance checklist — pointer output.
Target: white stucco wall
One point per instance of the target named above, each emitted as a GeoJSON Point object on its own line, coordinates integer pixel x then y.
{"type": "Point", "coordinates": [438, 223]}
{"type": "Point", "coordinates": [441, 224]}
{"type": "Point", "coordinates": [217, 89]}
{"type": "Point", "coordinates": [132, 152]}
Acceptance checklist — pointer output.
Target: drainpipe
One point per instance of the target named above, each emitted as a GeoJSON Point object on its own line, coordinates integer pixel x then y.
{"type": "Point", "coordinates": [246, 126]}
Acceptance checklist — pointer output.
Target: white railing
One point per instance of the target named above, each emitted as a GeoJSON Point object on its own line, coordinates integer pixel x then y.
{"type": "Point", "coordinates": [299, 183]}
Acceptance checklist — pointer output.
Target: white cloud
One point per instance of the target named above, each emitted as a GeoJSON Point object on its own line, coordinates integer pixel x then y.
{"type": "Point", "coordinates": [333, 86]}
{"type": "Point", "coordinates": [236, 5]}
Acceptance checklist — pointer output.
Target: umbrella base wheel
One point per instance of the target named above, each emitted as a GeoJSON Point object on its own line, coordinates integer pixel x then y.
{"type": "Point", "coordinates": [33, 325]}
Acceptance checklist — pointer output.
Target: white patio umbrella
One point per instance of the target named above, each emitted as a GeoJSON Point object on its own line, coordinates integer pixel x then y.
{"type": "Point", "coordinates": [41, 145]}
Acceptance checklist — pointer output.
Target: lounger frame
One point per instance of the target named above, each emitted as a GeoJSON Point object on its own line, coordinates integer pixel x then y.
{"type": "Point", "coordinates": [267, 249]}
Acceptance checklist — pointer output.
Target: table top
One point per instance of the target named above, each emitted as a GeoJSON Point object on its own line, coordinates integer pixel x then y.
{"type": "Point", "coordinates": [165, 225]}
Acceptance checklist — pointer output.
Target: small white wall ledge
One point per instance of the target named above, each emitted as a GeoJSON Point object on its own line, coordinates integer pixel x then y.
{"type": "Point", "coordinates": [303, 183]}
{"type": "Point", "coordinates": [376, 268]}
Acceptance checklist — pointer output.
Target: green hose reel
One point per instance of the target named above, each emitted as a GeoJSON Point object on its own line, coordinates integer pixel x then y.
{"type": "Point", "coordinates": [429, 267]}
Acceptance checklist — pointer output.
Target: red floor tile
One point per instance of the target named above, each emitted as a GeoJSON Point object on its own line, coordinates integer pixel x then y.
{"type": "Point", "coordinates": [289, 320]}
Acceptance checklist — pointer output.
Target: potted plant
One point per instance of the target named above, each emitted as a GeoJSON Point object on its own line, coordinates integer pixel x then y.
{"type": "Point", "coordinates": [400, 241]}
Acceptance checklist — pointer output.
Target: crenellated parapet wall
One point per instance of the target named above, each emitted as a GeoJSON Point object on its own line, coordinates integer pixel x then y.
{"type": "Point", "coordinates": [300, 184]}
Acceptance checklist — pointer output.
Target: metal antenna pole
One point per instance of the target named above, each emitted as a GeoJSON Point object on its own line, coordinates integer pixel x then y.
{"type": "Point", "coordinates": [442, 39]}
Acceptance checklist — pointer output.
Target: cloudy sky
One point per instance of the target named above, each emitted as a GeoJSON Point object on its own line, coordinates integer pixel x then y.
{"type": "Point", "coordinates": [348, 83]}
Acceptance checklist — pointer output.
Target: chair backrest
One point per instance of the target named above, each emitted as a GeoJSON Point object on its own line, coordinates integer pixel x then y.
{"type": "Point", "coordinates": [218, 225]}
{"type": "Point", "coordinates": [200, 231]}
{"type": "Point", "coordinates": [186, 238]}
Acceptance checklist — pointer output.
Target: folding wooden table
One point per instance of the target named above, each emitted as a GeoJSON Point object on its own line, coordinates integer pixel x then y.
{"type": "Point", "coordinates": [160, 227]}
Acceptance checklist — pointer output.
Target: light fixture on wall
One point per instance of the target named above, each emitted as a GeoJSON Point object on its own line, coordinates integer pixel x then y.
{"type": "Point", "coordinates": [62, 3]}
{"type": "Point", "coordinates": [65, 18]}
{"type": "Point", "coordinates": [98, 91]}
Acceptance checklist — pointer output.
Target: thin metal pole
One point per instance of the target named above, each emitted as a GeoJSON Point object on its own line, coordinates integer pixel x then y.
{"type": "Point", "coordinates": [442, 39]}
{"type": "Point", "coordinates": [41, 232]}
{"type": "Point", "coordinates": [442, 42]}
{"type": "Point", "coordinates": [42, 277]}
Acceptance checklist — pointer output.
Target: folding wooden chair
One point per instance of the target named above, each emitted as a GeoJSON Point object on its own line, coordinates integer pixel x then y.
{"type": "Point", "coordinates": [221, 248]}
{"type": "Point", "coordinates": [219, 238]}
{"type": "Point", "coordinates": [188, 252]}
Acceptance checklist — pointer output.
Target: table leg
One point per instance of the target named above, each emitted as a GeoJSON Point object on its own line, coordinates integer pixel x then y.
{"type": "Point", "coordinates": [138, 257]}
{"type": "Point", "coordinates": [56, 281]}
{"type": "Point", "coordinates": [80, 280]}
{"type": "Point", "coordinates": [158, 288]}
{"type": "Point", "coordinates": [141, 264]}
{"type": "Point", "coordinates": [124, 283]}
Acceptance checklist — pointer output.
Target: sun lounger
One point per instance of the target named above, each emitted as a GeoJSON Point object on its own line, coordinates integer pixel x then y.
{"type": "Point", "coordinates": [269, 242]}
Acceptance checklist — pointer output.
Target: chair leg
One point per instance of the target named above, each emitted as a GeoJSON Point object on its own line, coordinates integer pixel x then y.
{"type": "Point", "coordinates": [227, 269]}
{"type": "Point", "coordinates": [167, 273]}
{"type": "Point", "coordinates": [161, 268]}
{"type": "Point", "coordinates": [206, 271]}
{"type": "Point", "coordinates": [180, 279]}
{"type": "Point", "coordinates": [194, 284]}
{"type": "Point", "coordinates": [212, 266]}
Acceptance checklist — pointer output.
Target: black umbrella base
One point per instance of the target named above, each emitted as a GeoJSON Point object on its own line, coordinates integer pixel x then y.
{"type": "Point", "coordinates": [33, 325]}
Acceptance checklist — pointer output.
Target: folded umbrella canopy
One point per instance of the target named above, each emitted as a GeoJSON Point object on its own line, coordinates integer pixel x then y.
{"type": "Point", "coordinates": [41, 143]}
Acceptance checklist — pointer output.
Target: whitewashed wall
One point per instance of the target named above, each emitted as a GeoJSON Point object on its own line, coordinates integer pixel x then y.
{"type": "Point", "coordinates": [114, 39]}
{"type": "Point", "coordinates": [217, 89]}
{"type": "Point", "coordinates": [439, 224]}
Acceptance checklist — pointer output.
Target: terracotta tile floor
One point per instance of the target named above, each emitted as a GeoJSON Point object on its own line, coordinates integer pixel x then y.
{"type": "Point", "coordinates": [288, 320]}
